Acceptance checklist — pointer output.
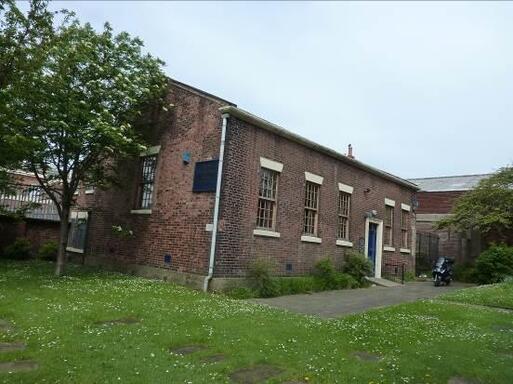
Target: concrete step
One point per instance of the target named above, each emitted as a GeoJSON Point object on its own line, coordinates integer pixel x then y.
{"type": "Point", "coordinates": [383, 282]}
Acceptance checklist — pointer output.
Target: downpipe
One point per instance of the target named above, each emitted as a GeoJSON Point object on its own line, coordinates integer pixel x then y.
{"type": "Point", "coordinates": [216, 205]}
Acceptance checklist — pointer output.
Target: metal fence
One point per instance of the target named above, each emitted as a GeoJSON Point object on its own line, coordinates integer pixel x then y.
{"type": "Point", "coordinates": [427, 251]}
{"type": "Point", "coordinates": [31, 201]}
{"type": "Point", "coordinates": [394, 272]}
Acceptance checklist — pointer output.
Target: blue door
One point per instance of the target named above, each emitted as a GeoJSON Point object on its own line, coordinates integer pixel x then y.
{"type": "Point", "coordinates": [371, 251]}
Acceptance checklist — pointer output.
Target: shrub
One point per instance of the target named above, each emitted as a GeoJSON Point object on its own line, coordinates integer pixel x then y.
{"type": "Point", "coordinates": [48, 251]}
{"type": "Point", "coordinates": [261, 279]}
{"type": "Point", "coordinates": [494, 264]}
{"type": "Point", "coordinates": [295, 285]}
{"type": "Point", "coordinates": [21, 249]}
{"type": "Point", "coordinates": [358, 266]}
{"type": "Point", "coordinates": [240, 293]}
{"type": "Point", "coordinates": [409, 276]}
{"type": "Point", "coordinates": [325, 273]}
{"type": "Point", "coordinates": [465, 273]}
{"type": "Point", "coordinates": [328, 278]}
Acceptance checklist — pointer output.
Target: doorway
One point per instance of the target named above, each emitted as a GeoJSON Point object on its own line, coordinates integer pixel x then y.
{"type": "Point", "coordinates": [373, 245]}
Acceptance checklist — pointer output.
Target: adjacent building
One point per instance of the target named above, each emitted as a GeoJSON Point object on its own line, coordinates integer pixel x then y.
{"type": "Point", "coordinates": [219, 188]}
{"type": "Point", "coordinates": [436, 199]}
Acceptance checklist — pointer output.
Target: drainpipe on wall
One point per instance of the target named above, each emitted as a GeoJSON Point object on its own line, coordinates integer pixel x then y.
{"type": "Point", "coordinates": [216, 205]}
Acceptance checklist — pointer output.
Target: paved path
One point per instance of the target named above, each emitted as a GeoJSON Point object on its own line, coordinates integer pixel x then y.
{"type": "Point", "coordinates": [340, 303]}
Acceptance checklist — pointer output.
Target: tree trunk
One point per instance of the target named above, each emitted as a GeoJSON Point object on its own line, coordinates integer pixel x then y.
{"type": "Point", "coordinates": [63, 241]}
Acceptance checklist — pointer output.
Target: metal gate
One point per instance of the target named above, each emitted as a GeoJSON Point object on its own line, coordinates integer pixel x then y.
{"type": "Point", "coordinates": [427, 252]}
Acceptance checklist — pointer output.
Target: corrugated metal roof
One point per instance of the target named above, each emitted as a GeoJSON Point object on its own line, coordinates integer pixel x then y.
{"type": "Point", "coordinates": [449, 183]}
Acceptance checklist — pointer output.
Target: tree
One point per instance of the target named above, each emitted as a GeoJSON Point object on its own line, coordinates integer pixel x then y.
{"type": "Point", "coordinates": [22, 37]}
{"type": "Point", "coordinates": [488, 208]}
{"type": "Point", "coordinates": [76, 109]}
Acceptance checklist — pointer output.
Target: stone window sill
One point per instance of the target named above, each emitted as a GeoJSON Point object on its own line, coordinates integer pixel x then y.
{"type": "Point", "coordinates": [389, 249]}
{"type": "Point", "coordinates": [344, 243]}
{"type": "Point", "coordinates": [311, 239]}
{"type": "Point", "coordinates": [265, 233]}
{"type": "Point", "coordinates": [75, 250]}
{"type": "Point", "coordinates": [405, 250]}
{"type": "Point", "coordinates": [141, 211]}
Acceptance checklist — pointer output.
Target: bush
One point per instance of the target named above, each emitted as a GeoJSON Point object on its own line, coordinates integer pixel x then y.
{"type": "Point", "coordinates": [21, 249]}
{"type": "Point", "coordinates": [465, 273]}
{"type": "Point", "coordinates": [240, 293]}
{"type": "Point", "coordinates": [48, 251]}
{"type": "Point", "coordinates": [358, 266]}
{"type": "Point", "coordinates": [494, 264]}
{"type": "Point", "coordinates": [295, 285]}
{"type": "Point", "coordinates": [261, 279]}
{"type": "Point", "coordinates": [326, 277]}
{"type": "Point", "coordinates": [409, 276]}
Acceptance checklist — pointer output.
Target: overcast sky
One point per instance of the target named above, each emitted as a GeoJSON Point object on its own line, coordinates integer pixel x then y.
{"type": "Point", "coordinates": [419, 89]}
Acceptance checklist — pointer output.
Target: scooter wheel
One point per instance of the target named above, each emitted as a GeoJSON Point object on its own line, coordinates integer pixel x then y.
{"type": "Point", "coordinates": [437, 281]}
{"type": "Point", "coordinates": [448, 282]}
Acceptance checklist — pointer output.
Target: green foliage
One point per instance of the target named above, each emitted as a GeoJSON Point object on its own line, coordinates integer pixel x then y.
{"type": "Point", "coordinates": [296, 285]}
{"type": "Point", "coordinates": [48, 251]}
{"type": "Point", "coordinates": [488, 208]}
{"type": "Point", "coordinates": [260, 274]}
{"type": "Point", "coordinates": [465, 273]}
{"type": "Point", "coordinates": [409, 276]}
{"type": "Point", "coordinates": [240, 293]}
{"type": "Point", "coordinates": [23, 39]}
{"type": "Point", "coordinates": [494, 264]}
{"type": "Point", "coordinates": [21, 249]}
{"type": "Point", "coordinates": [72, 109]}
{"type": "Point", "coordinates": [327, 277]}
{"type": "Point", "coordinates": [358, 266]}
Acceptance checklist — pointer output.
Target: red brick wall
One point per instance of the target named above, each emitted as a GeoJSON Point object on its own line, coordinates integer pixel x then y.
{"type": "Point", "coordinates": [238, 246]}
{"type": "Point", "coordinates": [176, 225]}
{"type": "Point", "coordinates": [437, 202]}
{"type": "Point", "coordinates": [37, 232]}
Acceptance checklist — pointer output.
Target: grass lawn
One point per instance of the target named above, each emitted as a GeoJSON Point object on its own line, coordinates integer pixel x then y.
{"type": "Point", "coordinates": [496, 295]}
{"type": "Point", "coordinates": [422, 342]}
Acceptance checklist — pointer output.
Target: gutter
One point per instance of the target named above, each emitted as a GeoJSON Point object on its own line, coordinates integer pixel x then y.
{"type": "Point", "coordinates": [216, 205]}
{"type": "Point", "coordinates": [276, 129]}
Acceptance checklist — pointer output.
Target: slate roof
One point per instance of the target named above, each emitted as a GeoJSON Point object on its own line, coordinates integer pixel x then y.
{"type": "Point", "coordinates": [449, 183]}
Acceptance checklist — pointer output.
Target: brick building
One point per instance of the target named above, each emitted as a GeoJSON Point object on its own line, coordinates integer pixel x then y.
{"type": "Point", "coordinates": [39, 224]}
{"type": "Point", "coordinates": [220, 187]}
{"type": "Point", "coordinates": [436, 199]}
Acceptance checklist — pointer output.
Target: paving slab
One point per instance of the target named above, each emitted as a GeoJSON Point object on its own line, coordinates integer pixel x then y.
{"type": "Point", "coordinates": [214, 358]}
{"type": "Point", "coordinates": [462, 380]}
{"type": "Point", "coordinates": [256, 374]}
{"type": "Point", "coordinates": [5, 325]}
{"type": "Point", "coordinates": [187, 349]}
{"type": "Point", "coordinates": [330, 304]}
{"type": "Point", "coordinates": [18, 366]}
{"type": "Point", "coordinates": [12, 347]}
{"type": "Point", "coordinates": [366, 356]}
{"type": "Point", "coordinates": [122, 320]}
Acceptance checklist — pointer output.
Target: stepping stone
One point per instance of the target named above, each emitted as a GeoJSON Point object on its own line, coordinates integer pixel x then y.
{"type": "Point", "coordinates": [122, 320]}
{"type": "Point", "coordinates": [187, 349]}
{"type": "Point", "coordinates": [256, 374]}
{"type": "Point", "coordinates": [12, 347]}
{"type": "Point", "coordinates": [5, 325]}
{"type": "Point", "coordinates": [213, 358]}
{"type": "Point", "coordinates": [366, 356]}
{"type": "Point", "coordinates": [18, 366]}
{"type": "Point", "coordinates": [461, 380]}
{"type": "Point", "coordinates": [502, 327]}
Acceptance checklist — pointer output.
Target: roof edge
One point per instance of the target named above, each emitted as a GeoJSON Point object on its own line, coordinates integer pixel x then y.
{"type": "Point", "coordinates": [264, 124]}
{"type": "Point", "coordinates": [200, 92]}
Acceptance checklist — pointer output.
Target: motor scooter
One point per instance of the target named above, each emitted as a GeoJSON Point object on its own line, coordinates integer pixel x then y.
{"type": "Point", "coordinates": [442, 271]}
